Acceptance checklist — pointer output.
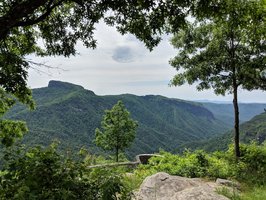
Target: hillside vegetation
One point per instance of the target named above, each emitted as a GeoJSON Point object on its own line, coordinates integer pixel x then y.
{"type": "Point", "coordinates": [253, 130]}
{"type": "Point", "coordinates": [70, 114]}
{"type": "Point", "coordinates": [45, 174]}
{"type": "Point", "coordinates": [225, 112]}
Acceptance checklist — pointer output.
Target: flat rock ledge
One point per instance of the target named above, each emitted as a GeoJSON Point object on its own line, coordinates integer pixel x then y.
{"type": "Point", "coordinates": [162, 186]}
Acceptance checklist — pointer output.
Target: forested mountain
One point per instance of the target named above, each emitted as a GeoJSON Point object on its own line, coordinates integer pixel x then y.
{"type": "Point", "coordinates": [225, 112]}
{"type": "Point", "coordinates": [252, 130]}
{"type": "Point", "coordinates": [255, 129]}
{"type": "Point", "coordinates": [70, 114]}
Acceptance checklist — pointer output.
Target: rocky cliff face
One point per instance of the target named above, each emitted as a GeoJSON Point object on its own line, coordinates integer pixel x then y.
{"type": "Point", "coordinates": [162, 186]}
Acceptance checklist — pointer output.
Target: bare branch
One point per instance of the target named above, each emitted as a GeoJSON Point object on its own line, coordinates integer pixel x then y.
{"type": "Point", "coordinates": [36, 67]}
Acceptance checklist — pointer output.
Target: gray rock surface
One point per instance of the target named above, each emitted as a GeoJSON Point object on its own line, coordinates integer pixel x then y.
{"type": "Point", "coordinates": [228, 183]}
{"type": "Point", "coordinates": [162, 186]}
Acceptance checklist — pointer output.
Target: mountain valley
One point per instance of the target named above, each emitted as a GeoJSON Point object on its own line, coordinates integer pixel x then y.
{"type": "Point", "coordinates": [70, 114]}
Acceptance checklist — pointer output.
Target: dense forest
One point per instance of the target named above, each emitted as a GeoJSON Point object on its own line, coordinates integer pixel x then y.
{"type": "Point", "coordinates": [250, 131]}
{"type": "Point", "coordinates": [70, 114]}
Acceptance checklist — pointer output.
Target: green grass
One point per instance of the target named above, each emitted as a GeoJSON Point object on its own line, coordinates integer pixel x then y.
{"type": "Point", "coordinates": [256, 193]}
{"type": "Point", "coordinates": [233, 195]}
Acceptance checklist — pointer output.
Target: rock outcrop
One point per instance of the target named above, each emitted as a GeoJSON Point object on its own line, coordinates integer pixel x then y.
{"type": "Point", "coordinates": [144, 158]}
{"type": "Point", "coordinates": [228, 183]}
{"type": "Point", "coordinates": [162, 186]}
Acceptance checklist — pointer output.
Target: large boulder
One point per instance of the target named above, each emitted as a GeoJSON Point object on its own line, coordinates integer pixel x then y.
{"type": "Point", "coordinates": [162, 186]}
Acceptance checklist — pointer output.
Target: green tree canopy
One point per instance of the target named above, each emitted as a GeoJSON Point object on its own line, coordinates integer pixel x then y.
{"type": "Point", "coordinates": [53, 27]}
{"type": "Point", "coordinates": [118, 130]}
{"type": "Point", "coordinates": [224, 50]}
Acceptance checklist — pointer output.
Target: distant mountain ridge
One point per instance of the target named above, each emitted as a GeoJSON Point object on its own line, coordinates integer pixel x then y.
{"type": "Point", "coordinates": [225, 112]}
{"type": "Point", "coordinates": [70, 113]}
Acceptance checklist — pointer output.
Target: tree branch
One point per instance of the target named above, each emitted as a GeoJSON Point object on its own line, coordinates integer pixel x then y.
{"type": "Point", "coordinates": [19, 11]}
{"type": "Point", "coordinates": [49, 9]}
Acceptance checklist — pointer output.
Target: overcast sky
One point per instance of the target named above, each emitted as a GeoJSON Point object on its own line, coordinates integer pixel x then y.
{"type": "Point", "coordinates": [122, 64]}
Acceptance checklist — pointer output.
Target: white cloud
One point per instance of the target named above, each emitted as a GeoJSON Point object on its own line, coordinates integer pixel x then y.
{"type": "Point", "coordinates": [122, 64]}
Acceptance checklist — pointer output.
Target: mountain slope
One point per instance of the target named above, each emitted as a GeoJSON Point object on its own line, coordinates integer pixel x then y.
{"type": "Point", "coordinates": [225, 112]}
{"type": "Point", "coordinates": [70, 113]}
{"type": "Point", "coordinates": [252, 130]}
{"type": "Point", "coordinates": [255, 129]}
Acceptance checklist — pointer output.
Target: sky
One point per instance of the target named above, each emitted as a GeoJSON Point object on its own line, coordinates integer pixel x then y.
{"type": "Point", "coordinates": [122, 64]}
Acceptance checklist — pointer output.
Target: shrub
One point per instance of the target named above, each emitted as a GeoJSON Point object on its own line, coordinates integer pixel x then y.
{"type": "Point", "coordinates": [40, 173]}
{"type": "Point", "coordinates": [219, 167]}
{"type": "Point", "coordinates": [253, 161]}
{"type": "Point", "coordinates": [190, 164]}
{"type": "Point", "coordinates": [250, 168]}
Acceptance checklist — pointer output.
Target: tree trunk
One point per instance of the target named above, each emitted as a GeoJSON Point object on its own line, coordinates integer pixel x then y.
{"type": "Point", "coordinates": [116, 153]}
{"type": "Point", "coordinates": [236, 109]}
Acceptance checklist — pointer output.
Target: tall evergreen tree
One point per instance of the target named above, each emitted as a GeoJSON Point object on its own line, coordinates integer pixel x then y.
{"type": "Point", "coordinates": [118, 130]}
{"type": "Point", "coordinates": [224, 49]}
